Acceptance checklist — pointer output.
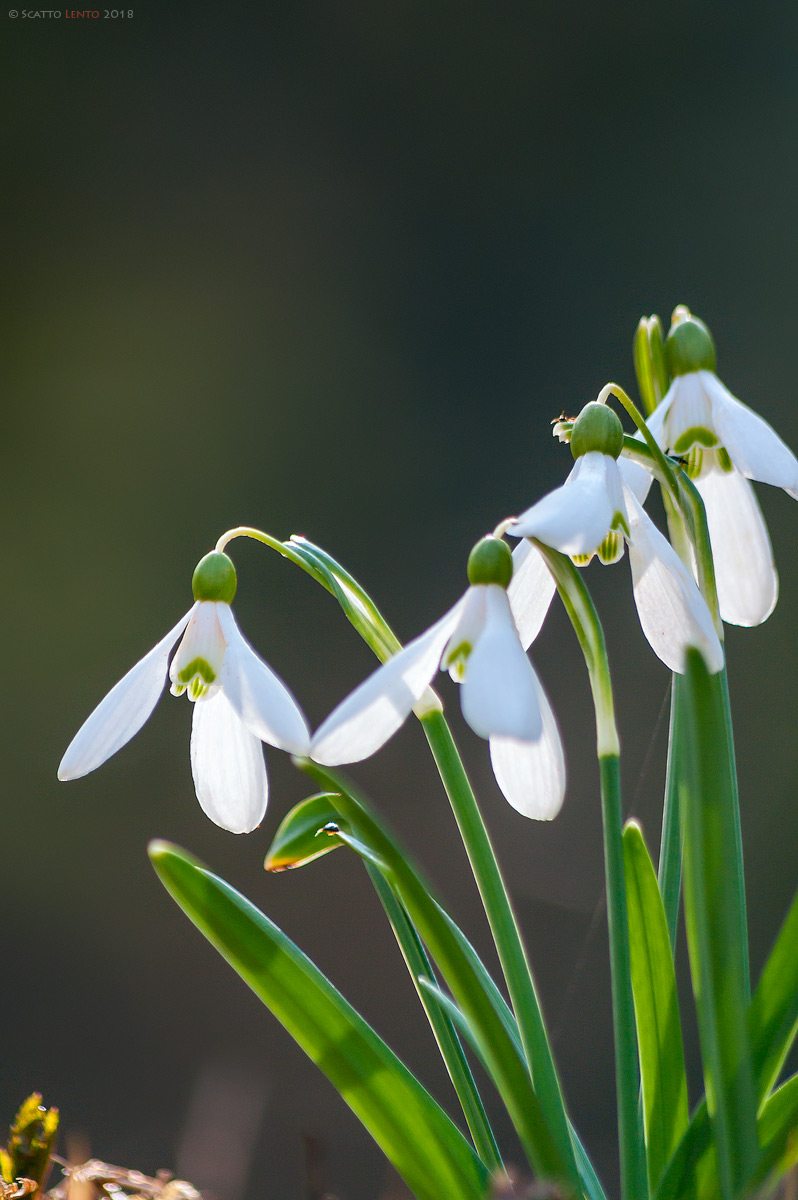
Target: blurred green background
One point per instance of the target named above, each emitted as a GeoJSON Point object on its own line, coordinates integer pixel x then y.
{"type": "Point", "coordinates": [332, 268]}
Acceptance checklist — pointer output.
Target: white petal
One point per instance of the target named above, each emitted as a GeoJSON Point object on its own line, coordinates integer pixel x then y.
{"type": "Point", "coordinates": [576, 517]}
{"type": "Point", "coordinates": [753, 446]}
{"type": "Point", "coordinates": [259, 697]}
{"type": "Point", "coordinates": [374, 711]}
{"type": "Point", "coordinates": [745, 573]}
{"type": "Point", "coordinates": [499, 697]}
{"type": "Point", "coordinates": [689, 408]}
{"type": "Point", "coordinates": [123, 711]}
{"type": "Point", "coordinates": [636, 478]}
{"type": "Point", "coordinates": [531, 775]}
{"type": "Point", "coordinates": [530, 593]}
{"type": "Point", "coordinates": [672, 611]}
{"type": "Point", "coordinates": [227, 765]}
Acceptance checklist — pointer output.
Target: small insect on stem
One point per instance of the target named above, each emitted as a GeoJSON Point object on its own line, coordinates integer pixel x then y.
{"type": "Point", "coordinates": [18, 1189]}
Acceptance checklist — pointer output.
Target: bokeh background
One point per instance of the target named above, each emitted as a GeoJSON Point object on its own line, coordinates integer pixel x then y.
{"type": "Point", "coordinates": [332, 268]}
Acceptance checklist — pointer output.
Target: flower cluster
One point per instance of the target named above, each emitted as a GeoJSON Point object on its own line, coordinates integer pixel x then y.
{"type": "Point", "coordinates": [239, 702]}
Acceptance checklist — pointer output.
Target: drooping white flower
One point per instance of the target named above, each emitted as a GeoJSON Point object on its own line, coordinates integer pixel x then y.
{"type": "Point", "coordinates": [238, 703]}
{"type": "Point", "coordinates": [502, 699]}
{"type": "Point", "coordinates": [595, 513]}
{"type": "Point", "coordinates": [725, 444]}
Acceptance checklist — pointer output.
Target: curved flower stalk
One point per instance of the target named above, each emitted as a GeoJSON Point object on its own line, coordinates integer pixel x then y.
{"type": "Point", "coordinates": [238, 703]}
{"type": "Point", "coordinates": [595, 512]}
{"type": "Point", "coordinates": [726, 445]}
{"type": "Point", "coordinates": [478, 643]}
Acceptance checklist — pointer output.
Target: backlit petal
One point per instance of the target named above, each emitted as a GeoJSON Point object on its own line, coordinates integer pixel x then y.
{"type": "Point", "coordinates": [374, 711]}
{"type": "Point", "coordinates": [753, 446]}
{"type": "Point", "coordinates": [689, 408]}
{"type": "Point", "coordinates": [499, 696]}
{"type": "Point", "coordinates": [123, 711]}
{"type": "Point", "coordinates": [745, 574]}
{"type": "Point", "coordinates": [258, 695]}
{"type": "Point", "coordinates": [228, 767]}
{"type": "Point", "coordinates": [530, 592]}
{"type": "Point", "coordinates": [576, 517]}
{"type": "Point", "coordinates": [672, 611]}
{"type": "Point", "coordinates": [531, 775]}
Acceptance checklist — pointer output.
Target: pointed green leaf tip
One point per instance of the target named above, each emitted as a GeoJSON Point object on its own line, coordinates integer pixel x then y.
{"type": "Point", "coordinates": [490, 562]}
{"type": "Point", "coordinates": [597, 428]}
{"type": "Point", "coordinates": [689, 345]}
{"type": "Point", "coordinates": [214, 578]}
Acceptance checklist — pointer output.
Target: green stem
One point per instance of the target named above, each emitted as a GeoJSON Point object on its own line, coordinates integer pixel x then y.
{"type": "Point", "coordinates": [506, 934]}
{"type": "Point", "coordinates": [670, 855]}
{"type": "Point", "coordinates": [451, 1050]}
{"type": "Point", "coordinates": [737, 866]}
{"type": "Point", "coordinates": [580, 608]}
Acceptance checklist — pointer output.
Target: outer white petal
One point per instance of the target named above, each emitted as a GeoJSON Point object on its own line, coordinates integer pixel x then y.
{"type": "Point", "coordinates": [671, 609]}
{"type": "Point", "coordinates": [635, 478]}
{"type": "Point", "coordinates": [259, 697]}
{"type": "Point", "coordinates": [753, 446]}
{"type": "Point", "coordinates": [123, 711]}
{"type": "Point", "coordinates": [748, 585]}
{"type": "Point", "coordinates": [531, 775]}
{"type": "Point", "coordinates": [227, 765]}
{"type": "Point", "coordinates": [530, 593]}
{"type": "Point", "coordinates": [576, 517]}
{"type": "Point", "coordinates": [499, 696]}
{"type": "Point", "coordinates": [374, 711]}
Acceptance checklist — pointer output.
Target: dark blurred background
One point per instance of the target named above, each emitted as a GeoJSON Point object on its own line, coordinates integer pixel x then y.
{"type": "Point", "coordinates": [332, 268]}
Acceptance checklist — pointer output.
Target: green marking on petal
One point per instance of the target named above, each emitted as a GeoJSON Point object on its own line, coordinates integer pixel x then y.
{"type": "Point", "coordinates": [695, 436]}
{"type": "Point", "coordinates": [723, 460]}
{"type": "Point", "coordinates": [608, 550]}
{"type": "Point", "coordinates": [456, 660]}
{"type": "Point", "coordinates": [197, 666]}
{"type": "Point", "coordinates": [581, 560]}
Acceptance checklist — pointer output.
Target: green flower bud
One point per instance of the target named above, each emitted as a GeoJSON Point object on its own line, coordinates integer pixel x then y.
{"type": "Point", "coordinates": [214, 578]}
{"type": "Point", "coordinates": [689, 345]}
{"type": "Point", "coordinates": [597, 428]}
{"type": "Point", "coordinates": [490, 561]}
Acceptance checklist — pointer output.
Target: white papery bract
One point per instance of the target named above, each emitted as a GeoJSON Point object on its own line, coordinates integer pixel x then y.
{"type": "Point", "coordinates": [594, 512]}
{"type": "Point", "coordinates": [238, 702]}
{"type": "Point", "coordinates": [502, 699]}
{"type": "Point", "coordinates": [726, 444]}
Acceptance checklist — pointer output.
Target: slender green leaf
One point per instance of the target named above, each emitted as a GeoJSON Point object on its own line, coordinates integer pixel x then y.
{"type": "Point", "coordinates": [669, 874]}
{"type": "Point", "coordinates": [713, 918]}
{"type": "Point", "coordinates": [773, 1017]}
{"type": "Point", "coordinates": [778, 1134]}
{"type": "Point", "coordinates": [301, 836]}
{"type": "Point", "coordinates": [659, 1035]}
{"type": "Point", "coordinates": [511, 1076]}
{"type": "Point", "coordinates": [427, 1150]}
{"type": "Point", "coordinates": [772, 1021]}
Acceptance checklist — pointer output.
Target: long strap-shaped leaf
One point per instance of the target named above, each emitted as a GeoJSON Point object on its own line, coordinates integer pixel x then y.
{"type": "Point", "coordinates": [425, 1147]}
{"type": "Point", "coordinates": [714, 919]}
{"type": "Point", "coordinates": [308, 831]}
{"type": "Point", "coordinates": [510, 1075]}
{"type": "Point", "coordinates": [659, 1035]}
{"type": "Point", "coordinates": [772, 1025]}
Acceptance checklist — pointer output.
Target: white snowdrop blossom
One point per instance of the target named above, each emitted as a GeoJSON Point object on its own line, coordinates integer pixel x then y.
{"type": "Point", "coordinates": [502, 699]}
{"type": "Point", "coordinates": [239, 702]}
{"type": "Point", "coordinates": [594, 512]}
{"type": "Point", "coordinates": [725, 444]}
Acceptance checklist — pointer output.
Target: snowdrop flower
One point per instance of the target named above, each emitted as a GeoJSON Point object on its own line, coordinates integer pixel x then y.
{"type": "Point", "coordinates": [501, 696]}
{"type": "Point", "coordinates": [725, 444]}
{"type": "Point", "coordinates": [238, 703]}
{"type": "Point", "coordinates": [595, 513]}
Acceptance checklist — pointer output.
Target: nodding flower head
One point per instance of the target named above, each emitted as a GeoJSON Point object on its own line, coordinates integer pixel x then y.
{"type": "Point", "coordinates": [239, 702]}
